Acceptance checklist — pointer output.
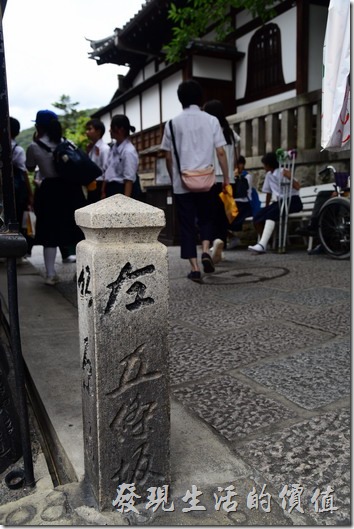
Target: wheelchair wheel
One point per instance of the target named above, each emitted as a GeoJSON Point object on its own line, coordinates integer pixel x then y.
{"type": "Point", "coordinates": [334, 227]}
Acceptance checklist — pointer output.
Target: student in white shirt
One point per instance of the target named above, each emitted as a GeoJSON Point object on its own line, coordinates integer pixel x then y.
{"type": "Point", "coordinates": [123, 160]}
{"type": "Point", "coordinates": [197, 136]}
{"type": "Point", "coordinates": [215, 108]}
{"type": "Point", "coordinates": [98, 151]}
{"type": "Point", "coordinates": [264, 220]}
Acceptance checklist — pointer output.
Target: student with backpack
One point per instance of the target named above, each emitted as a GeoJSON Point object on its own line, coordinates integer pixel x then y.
{"type": "Point", "coordinates": [56, 198]}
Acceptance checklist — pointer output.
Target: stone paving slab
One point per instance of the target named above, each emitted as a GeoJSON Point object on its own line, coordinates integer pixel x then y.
{"type": "Point", "coordinates": [314, 453]}
{"type": "Point", "coordinates": [315, 297]}
{"type": "Point", "coordinates": [232, 350]}
{"type": "Point", "coordinates": [335, 319]}
{"type": "Point", "coordinates": [309, 379]}
{"type": "Point", "coordinates": [224, 404]}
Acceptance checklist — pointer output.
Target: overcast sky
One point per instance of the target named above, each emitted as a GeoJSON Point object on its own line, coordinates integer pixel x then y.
{"type": "Point", "coordinates": [46, 52]}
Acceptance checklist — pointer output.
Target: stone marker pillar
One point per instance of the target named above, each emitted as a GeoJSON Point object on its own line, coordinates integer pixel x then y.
{"type": "Point", "coordinates": [122, 278]}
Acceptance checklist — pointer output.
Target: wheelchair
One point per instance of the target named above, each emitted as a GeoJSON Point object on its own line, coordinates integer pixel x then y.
{"type": "Point", "coordinates": [334, 220]}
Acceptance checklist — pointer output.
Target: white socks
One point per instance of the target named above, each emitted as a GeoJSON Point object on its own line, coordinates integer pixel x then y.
{"type": "Point", "coordinates": [49, 254]}
{"type": "Point", "coordinates": [261, 246]}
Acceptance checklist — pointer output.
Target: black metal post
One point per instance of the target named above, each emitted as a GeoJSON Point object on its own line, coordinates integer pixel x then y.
{"type": "Point", "coordinates": [19, 371]}
{"type": "Point", "coordinates": [12, 229]}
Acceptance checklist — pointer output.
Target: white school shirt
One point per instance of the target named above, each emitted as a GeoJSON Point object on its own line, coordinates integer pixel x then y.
{"type": "Point", "coordinates": [230, 156]}
{"type": "Point", "coordinates": [18, 156]}
{"type": "Point", "coordinates": [272, 184]}
{"type": "Point", "coordinates": [99, 154]}
{"type": "Point", "coordinates": [36, 155]}
{"type": "Point", "coordinates": [197, 135]}
{"type": "Point", "coordinates": [122, 163]}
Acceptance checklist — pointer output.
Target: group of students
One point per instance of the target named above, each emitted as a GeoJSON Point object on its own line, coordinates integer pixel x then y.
{"type": "Point", "coordinates": [203, 137]}
{"type": "Point", "coordinates": [55, 199]}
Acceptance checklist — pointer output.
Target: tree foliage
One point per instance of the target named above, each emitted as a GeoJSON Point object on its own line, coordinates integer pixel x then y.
{"type": "Point", "coordinates": [193, 20]}
{"type": "Point", "coordinates": [73, 121]}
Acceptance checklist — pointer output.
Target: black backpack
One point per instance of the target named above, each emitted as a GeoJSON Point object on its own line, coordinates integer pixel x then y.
{"type": "Point", "coordinates": [72, 163]}
{"type": "Point", "coordinates": [240, 187]}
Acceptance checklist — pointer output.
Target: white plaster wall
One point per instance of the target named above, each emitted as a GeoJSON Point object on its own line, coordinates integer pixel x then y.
{"type": "Point", "coordinates": [138, 79]}
{"type": "Point", "coordinates": [287, 25]}
{"type": "Point", "coordinates": [318, 20]}
{"type": "Point", "coordinates": [242, 18]}
{"type": "Point", "coordinates": [149, 70]}
{"type": "Point", "coordinates": [107, 118]}
{"type": "Point", "coordinates": [133, 112]}
{"type": "Point", "coordinates": [151, 107]}
{"type": "Point", "coordinates": [267, 101]}
{"type": "Point", "coordinates": [170, 104]}
{"type": "Point", "coordinates": [212, 68]}
{"type": "Point", "coordinates": [107, 123]}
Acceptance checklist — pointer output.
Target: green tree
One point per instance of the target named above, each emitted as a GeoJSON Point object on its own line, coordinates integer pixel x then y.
{"type": "Point", "coordinates": [70, 114]}
{"type": "Point", "coordinates": [193, 20]}
{"type": "Point", "coordinates": [73, 121]}
{"type": "Point", "coordinates": [78, 135]}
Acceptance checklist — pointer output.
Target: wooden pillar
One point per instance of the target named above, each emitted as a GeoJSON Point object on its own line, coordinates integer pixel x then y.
{"type": "Point", "coordinates": [258, 136]}
{"type": "Point", "coordinates": [287, 134]}
{"type": "Point", "coordinates": [304, 127]}
{"type": "Point", "coordinates": [272, 140]}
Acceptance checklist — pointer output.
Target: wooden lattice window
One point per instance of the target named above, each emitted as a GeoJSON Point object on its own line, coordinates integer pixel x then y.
{"type": "Point", "coordinates": [265, 71]}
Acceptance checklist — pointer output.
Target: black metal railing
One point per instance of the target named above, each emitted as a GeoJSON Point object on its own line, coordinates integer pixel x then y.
{"type": "Point", "coordinates": [12, 246]}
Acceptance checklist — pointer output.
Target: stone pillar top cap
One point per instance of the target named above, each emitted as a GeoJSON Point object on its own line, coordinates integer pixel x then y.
{"type": "Point", "coordinates": [119, 211]}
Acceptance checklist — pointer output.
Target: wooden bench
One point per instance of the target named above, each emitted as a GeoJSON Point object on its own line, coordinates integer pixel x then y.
{"type": "Point", "coordinates": [308, 196]}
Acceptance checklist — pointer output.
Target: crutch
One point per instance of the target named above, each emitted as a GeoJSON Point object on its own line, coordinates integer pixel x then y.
{"type": "Point", "coordinates": [286, 160]}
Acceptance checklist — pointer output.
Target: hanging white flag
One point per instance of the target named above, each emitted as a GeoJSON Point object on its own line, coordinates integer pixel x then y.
{"type": "Point", "coordinates": [335, 124]}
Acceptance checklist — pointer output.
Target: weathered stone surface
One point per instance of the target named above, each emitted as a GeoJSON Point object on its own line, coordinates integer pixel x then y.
{"type": "Point", "coordinates": [314, 453]}
{"type": "Point", "coordinates": [316, 297]}
{"type": "Point", "coordinates": [237, 346]}
{"type": "Point", "coordinates": [123, 305]}
{"type": "Point", "coordinates": [308, 378]}
{"type": "Point", "coordinates": [224, 404]}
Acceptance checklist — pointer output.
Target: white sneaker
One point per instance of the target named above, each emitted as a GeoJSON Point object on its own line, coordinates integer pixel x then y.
{"type": "Point", "coordinates": [218, 246]}
{"type": "Point", "coordinates": [70, 259]}
{"type": "Point", "coordinates": [257, 248]}
{"type": "Point", "coordinates": [52, 280]}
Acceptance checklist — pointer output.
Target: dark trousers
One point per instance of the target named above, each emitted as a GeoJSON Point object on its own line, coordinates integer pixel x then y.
{"type": "Point", "coordinates": [221, 224]}
{"type": "Point", "coordinates": [244, 211]}
{"type": "Point", "coordinates": [114, 188]}
{"type": "Point", "coordinates": [272, 211]}
{"type": "Point", "coordinates": [194, 210]}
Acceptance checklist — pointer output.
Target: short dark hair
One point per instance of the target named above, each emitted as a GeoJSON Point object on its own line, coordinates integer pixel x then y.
{"type": "Point", "coordinates": [96, 124]}
{"type": "Point", "coordinates": [190, 93]}
{"type": "Point", "coordinates": [271, 160]}
{"type": "Point", "coordinates": [241, 159]}
{"type": "Point", "coordinates": [14, 127]}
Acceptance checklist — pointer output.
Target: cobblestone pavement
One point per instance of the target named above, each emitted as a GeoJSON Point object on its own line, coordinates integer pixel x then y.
{"type": "Point", "coordinates": [260, 357]}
